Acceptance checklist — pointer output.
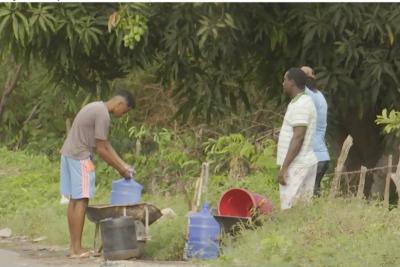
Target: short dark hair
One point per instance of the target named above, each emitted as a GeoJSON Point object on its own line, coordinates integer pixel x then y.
{"type": "Point", "coordinates": [298, 76]}
{"type": "Point", "coordinates": [127, 95]}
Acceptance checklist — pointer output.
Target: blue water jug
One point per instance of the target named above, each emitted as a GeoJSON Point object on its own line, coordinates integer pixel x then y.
{"type": "Point", "coordinates": [203, 240]}
{"type": "Point", "coordinates": [125, 192]}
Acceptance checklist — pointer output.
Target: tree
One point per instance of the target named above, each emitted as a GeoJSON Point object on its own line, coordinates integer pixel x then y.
{"type": "Point", "coordinates": [73, 41]}
{"type": "Point", "coordinates": [216, 54]}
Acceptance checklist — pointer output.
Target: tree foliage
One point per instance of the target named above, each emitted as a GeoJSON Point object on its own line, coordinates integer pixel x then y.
{"type": "Point", "coordinates": [218, 58]}
{"type": "Point", "coordinates": [215, 53]}
{"type": "Point", "coordinates": [391, 121]}
{"type": "Point", "coordinates": [72, 40]}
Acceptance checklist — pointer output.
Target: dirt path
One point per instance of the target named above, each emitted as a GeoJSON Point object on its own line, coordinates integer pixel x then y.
{"type": "Point", "coordinates": [10, 258]}
{"type": "Point", "coordinates": [21, 253]}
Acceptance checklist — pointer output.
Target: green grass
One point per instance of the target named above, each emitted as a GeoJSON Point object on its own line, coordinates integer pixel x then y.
{"type": "Point", "coordinates": [338, 232]}
{"type": "Point", "coordinates": [29, 197]}
{"type": "Point", "coordinates": [168, 234]}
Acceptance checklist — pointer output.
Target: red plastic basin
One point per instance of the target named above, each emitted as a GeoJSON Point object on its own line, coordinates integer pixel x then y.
{"type": "Point", "coordinates": [242, 203]}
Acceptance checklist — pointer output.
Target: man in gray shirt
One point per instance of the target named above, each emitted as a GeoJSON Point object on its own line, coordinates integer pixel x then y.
{"type": "Point", "coordinates": [89, 134]}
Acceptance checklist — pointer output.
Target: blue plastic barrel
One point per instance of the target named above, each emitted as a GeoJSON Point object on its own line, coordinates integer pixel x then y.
{"type": "Point", "coordinates": [204, 231]}
{"type": "Point", "coordinates": [125, 192]}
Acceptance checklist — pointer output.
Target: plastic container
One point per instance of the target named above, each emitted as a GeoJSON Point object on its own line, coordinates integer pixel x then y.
{"type": "Point", "coordinates": [204, 232]}
{"type": "Point", "coordinates": [242, 203]}
{"type": "Point", "coordinates": [119, 238]}
{"type": "Point", "coordinates": [126, 192]}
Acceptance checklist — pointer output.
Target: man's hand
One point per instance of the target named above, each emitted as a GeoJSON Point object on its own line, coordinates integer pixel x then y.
{"type": "Point", "coordinates": [282, 176]}
{"type": "Point", "coordinates": [299, 133]}
{"type": "Point", "coordinates": [126, 173]}
{"type": "Point", "coordinates": [131, 168]}
{"type": "Point", "coordinates": [108, 154]}
{"type": "Point", "coordinates": [133, 171]}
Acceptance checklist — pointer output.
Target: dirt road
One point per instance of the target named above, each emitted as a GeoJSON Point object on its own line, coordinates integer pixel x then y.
{"type": "Point", "coordinates": [26, 254]}
{"type": "Point", "coordinates": [13, 259]}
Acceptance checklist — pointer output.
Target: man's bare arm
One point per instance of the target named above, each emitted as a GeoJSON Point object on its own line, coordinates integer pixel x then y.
{"type": "Point", "coordinates": [115, 155]}
{"type": "Point", "coordinates": [295, 145]}
{"type": "Point", "coordinates": [299, 134]}
{"type": "Point", "coordinates": [109, 157]}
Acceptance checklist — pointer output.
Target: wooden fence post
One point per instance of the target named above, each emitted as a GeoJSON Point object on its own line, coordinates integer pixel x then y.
{"type": "Point", "coordinates": [396, 179]}
{"type": "Point", "coordinates": [387, 183]}
{"type": "Point", "coordinates": [339, 167]}
{"type": "Point", "coordinates": [361, 184]}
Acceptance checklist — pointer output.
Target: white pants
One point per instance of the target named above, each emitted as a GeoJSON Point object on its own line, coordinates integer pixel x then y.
{"type": "Point", "coordinates": [299, 185]}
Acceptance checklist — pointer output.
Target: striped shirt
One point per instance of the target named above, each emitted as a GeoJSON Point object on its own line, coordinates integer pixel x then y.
{"type": "Point", "coordinates": [300, 112]}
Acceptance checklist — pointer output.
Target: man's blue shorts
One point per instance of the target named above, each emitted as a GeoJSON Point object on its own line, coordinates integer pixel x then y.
{"type": "Point", "coordinates": [77, 178]}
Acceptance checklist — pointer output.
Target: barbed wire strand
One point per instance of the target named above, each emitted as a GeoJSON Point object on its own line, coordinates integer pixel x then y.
{"type": "Point", "coordinates": [357, 172]}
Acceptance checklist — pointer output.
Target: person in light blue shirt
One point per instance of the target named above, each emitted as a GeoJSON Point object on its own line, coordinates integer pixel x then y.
{"type": "Point", "coordinates": [319, 146]}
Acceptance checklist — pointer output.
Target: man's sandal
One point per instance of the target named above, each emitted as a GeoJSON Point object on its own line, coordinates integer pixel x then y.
{"type": "Point", "coordinates": [85, 254]}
